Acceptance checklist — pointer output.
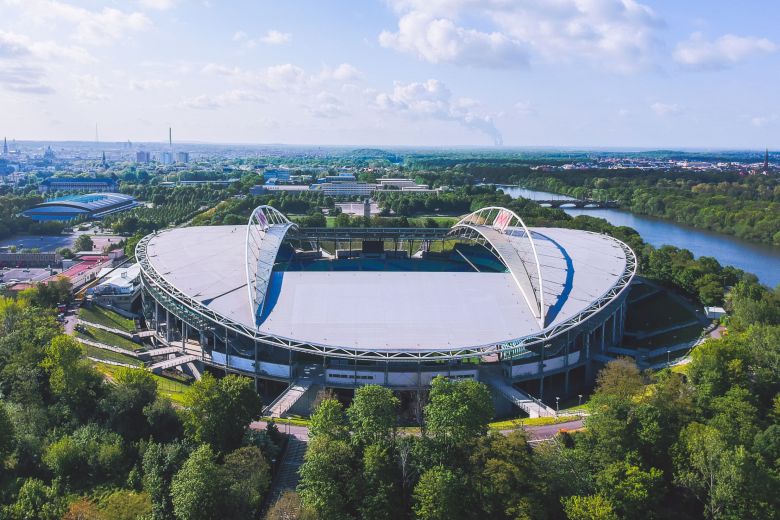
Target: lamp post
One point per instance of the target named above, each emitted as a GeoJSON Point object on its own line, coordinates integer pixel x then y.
{"type": "Point", "coordinates": [580, 396]}
{"type": "Point", "coordinates": [557, 400]}
{"type": "Point", "coordinates": [668, 353]}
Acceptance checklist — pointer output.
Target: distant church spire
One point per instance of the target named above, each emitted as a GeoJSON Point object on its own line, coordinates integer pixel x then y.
{"type": "Point", "coordinates": [104, 163]}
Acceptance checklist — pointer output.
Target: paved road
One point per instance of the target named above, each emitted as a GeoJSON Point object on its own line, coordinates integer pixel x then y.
{"type": "Point", "coordinates": [537, 433]}
{"type": "Point", "coordinates": [71, 318]}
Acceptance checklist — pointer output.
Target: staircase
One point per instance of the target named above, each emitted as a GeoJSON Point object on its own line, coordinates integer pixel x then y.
{"type": "Point", "coordinates": [288, 398]}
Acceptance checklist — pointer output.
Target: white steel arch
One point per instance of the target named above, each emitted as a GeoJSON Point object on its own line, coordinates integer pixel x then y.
{"type": "Point", "coordinates": [265, 231]}
{"type": "Point", "coordinates": [499, 228]}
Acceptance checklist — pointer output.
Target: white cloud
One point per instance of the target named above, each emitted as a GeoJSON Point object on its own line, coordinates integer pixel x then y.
{"type": "Point", "coordinates": [231, 97]}
{"type": "Point", "coordinates": [765, 120]}
{"type": "Point", "coordinates": [727, 50]}
{"type": "Point", "coordinates": [91, 27]}
{"type": "Point", "coordinates": [440, 40]}
{"type": "Point", "coordinates": [345, 72]}
{"type": "Point", "coordinates": [327, 106]}
{"type": "Point", "coordinates": [433, 100]}
{"type": "Point", "coordinates": [160, 5]}
{"type": "Point", "coordinates": [90, 88]}
{"type": "Point", "coordinates": [618, 34]}
{"type": "Point", "coordinates": [525, 108]}
{"type": "Point", "coordinates": [24, 79]}
{"type": "Point", "coordinates": [274, 37]}
{"type": "Point", "coordinates": [152, 84]}
{"type": "Point", "coordinates": [14, 45]}
{"type": "Point", "coordinates": [666, 109]}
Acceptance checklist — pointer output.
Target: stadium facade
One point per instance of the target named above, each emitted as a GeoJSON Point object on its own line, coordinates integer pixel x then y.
{"type": "Point", "coordinates": [487, 298]}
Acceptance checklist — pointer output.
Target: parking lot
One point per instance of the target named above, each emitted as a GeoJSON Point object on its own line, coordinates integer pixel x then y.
{"type": "Point", "coordinates": [26, 274]}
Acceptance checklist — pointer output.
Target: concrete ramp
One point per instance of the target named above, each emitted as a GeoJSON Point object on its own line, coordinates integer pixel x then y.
{"type": "Point", "coordinates": [288, 398]}
{"type": "Point", "coordinates": [161, 351]}
{"type": "Point", "coordinates": [171, 363]}
{"type": "Point", "coordinates": [194, 370]}
{"type": "Point", "coordinates": [533, 407]}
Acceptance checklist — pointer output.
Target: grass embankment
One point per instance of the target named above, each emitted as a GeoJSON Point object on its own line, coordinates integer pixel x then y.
{"type": "Point", "coordinates": [514, 424]}
{"type": "Point", "coordinates": [107, 318]}
{"type": "Point", "coordinates": [108, 338]}
{"type": "Point", "coordinates": [172, 389]}
{"type": "Point", "coordinates": [292, 420]}
{"type": "Point", "coordinates": [657, 312]}
{"type": "Point", "coordinates": [109, 355]}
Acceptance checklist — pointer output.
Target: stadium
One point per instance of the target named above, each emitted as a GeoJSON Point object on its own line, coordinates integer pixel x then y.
{"type": "Point", "coordinates": [91, 205]}
{"type": "Point", "coordinates": [522, 309]}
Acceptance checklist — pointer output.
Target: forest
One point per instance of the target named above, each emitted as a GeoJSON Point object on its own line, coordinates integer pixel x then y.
{"type": "Point", "coordinates": [698, 442]}
{"type": "Point", "coordinates": [701, 442]}
{"type": "Point", "coordinates": [746, 207]}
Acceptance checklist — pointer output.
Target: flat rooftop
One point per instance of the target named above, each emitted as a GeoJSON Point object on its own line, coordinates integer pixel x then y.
{"type": "Point", "coordinates": [389, 311]}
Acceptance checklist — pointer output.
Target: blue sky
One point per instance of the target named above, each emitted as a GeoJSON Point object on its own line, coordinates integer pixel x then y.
{"type": "Point", "coordinates": [618, 73]}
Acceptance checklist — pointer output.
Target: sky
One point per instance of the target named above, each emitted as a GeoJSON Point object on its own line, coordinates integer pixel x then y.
{"type": "Point", "coordinates": [561, 73]}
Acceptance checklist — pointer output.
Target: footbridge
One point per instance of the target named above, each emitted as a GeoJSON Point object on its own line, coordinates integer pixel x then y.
{"type": "Point", "coordinates": [577, 203]}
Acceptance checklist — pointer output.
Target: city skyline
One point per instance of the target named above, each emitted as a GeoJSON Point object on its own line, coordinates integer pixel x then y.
{"type": "Point", "coordinates": [611, 73]}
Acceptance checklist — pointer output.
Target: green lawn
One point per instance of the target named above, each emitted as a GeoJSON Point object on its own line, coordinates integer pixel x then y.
{"type": "Point", "coordinates": [106, 318]}
{"type": "Point", "coordinates": [656, 312]}
{"type": "Point", "coordinates": [109, 338]}
{"type": "Point", "coordinates": [109, 355]}
{"type": "Point", "coordinates": [513, 424]}
{"type": "Point", "coordinates": [173, 390]}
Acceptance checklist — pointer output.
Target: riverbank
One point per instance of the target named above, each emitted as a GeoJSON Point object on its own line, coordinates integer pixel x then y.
{"type": "Point", "coordinates": [759, 259]}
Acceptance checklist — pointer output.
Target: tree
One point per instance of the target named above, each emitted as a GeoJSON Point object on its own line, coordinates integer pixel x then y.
{"type": "Point", "coordinates": [458, 411]}
{"type": "Point", "coordinates": [373, 415]}
{"type": "Point", "coordinates": [289, 507]}
{"type": "Point", "coordinates": [505, 477]}
{"type": "Point", "coordinates": [164, 421]}
{"type": "Point", "coordinates": [83, 509]}
{"type": "Point", "coordinates": [160, 463]}
{"type": "Point", "coordinates": [219, 412]}
{"type": "Point", "coordinates": [328, 480]}
{"type": "Point", "coordinates": [248, 476]}
{"type": "Point", "coordinates": [633, 493]}
{"type": "Point", "coordinates": [89, 455]}
{"type": "Point", "coordinates": [7, 436]}
{"type": "Point", "coordinates": [124, 405]}
{"type": "Point", "coordinates": [35, 501]}
{"type": "Point", "coordinates": [380, 497]}
{"type": "Point", "coordinates": [620, 378]}
{"type": "Point", "coordinates": [699, 461]}
{"type": "Point", "coordinates": [439, 495]}
{"type": "Point", "coordinates": [590, 507]}
{"type": "Point", "coordinates": [126, 505]}
{"type": "Point", "coordinates": [84, 243]}
{"type": "Point", "coordinates": [329, 421]}
{"type": "Point", "coordinates": [71, 378]}
{"type": "Point", "coordinates": [197, 489]}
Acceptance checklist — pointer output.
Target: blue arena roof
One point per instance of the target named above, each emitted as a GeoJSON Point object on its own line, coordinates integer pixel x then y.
{"type": "Point", "coordinates": [84, 180]}
{"type": "Point", "coordinates": [90, 204]}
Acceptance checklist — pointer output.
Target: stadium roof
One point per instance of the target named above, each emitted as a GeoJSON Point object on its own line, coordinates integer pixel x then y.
{"type": "Point", "coordinates": [93, 202]}
{"type": "Point", "coordinates": [393, 311]}
{"type": "Point", "coordinates": [90, 204]}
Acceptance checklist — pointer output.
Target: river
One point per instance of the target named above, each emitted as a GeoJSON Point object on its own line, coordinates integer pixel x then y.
{"type": "Point", "coordinates": [759, 259]}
